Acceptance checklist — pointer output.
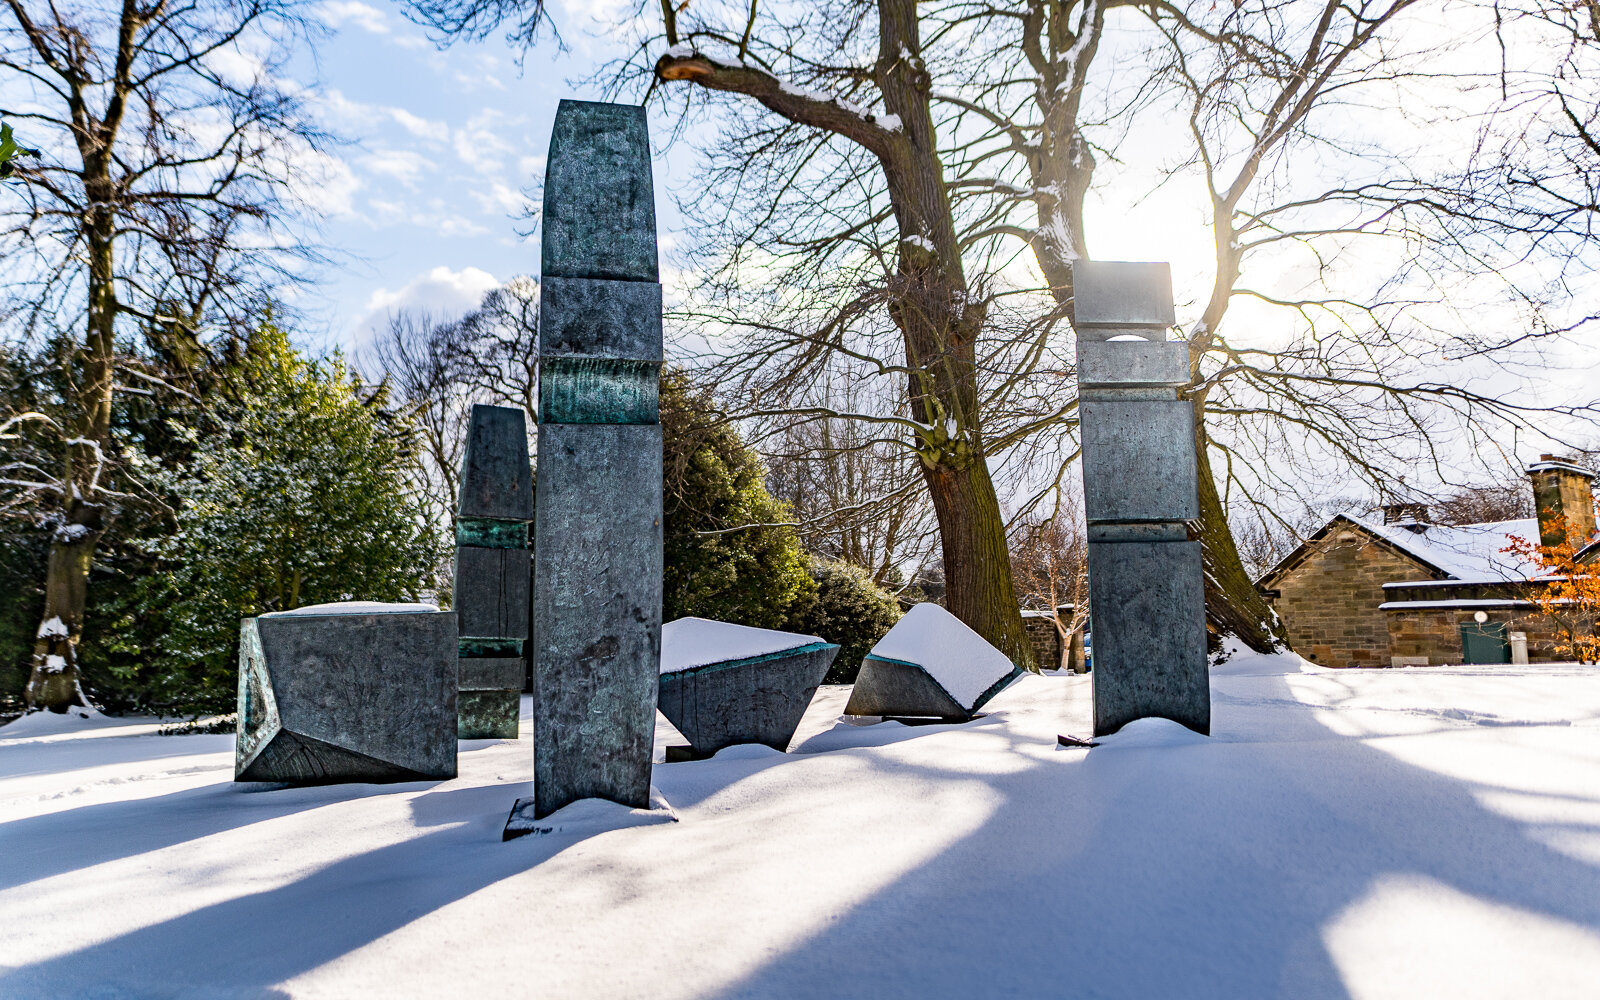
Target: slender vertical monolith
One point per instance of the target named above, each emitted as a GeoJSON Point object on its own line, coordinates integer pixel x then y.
{"type": "Point", "coordinates": [1146, 589]}
{"type": "Point", "coordinates": [597, 527]}
{"type": "Point", "coordinates": [492, 566]}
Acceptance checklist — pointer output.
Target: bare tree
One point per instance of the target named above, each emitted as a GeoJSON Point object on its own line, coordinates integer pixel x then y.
{"type": "Point", "coordinates": [849, 87]}
{"type": "Point", "coordinates": [854, 498]}
{"type": "Point", "coordinates": [438, 369]}
{"type": "Point", "coordinates": [853, 124]}
{"type": "Point", "coordinates": [412, 354]}
{"type": "Point", "coordinates": [1050, 557]}
{"type": "Point", "coordinates": [1369, 376]}
{"type": "Point", "coordinates": [155, 212]}
{"type": "Point", "coordinates": [1537, 170]}
{"type": "Point", "coordinates": [1379, 376]}
{"type": "Point", "coordinates": [1506, 501]}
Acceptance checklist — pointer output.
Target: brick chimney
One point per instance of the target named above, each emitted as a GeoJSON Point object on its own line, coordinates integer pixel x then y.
{"type": "Point", "coordinates": [1563, 496]}
{"type": "Point", "coordinates": [1405, 514]}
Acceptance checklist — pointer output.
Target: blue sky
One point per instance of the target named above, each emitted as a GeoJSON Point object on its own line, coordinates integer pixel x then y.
{"type": "Point", "coordinates": [425, 202]}
{"type": "Point", "coordinates": [445, 143]}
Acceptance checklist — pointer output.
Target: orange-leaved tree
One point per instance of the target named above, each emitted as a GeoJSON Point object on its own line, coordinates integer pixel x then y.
{"type": "Point", "coordinates": [1565, 594]}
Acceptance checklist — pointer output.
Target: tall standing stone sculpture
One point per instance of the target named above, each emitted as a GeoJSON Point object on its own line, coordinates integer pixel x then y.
{"type": "Point", "coordinates": [492, 566]}
{"type": "Point", "coordinates": [1146, 589]}
{"type": "Point", "coordinates": [597, 526]}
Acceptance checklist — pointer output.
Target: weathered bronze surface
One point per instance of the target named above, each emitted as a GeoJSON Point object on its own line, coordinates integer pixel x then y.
{"type": "Point", "coordinates": [597, 552]}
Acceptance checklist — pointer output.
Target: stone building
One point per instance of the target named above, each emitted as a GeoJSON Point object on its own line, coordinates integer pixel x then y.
{"type": "Point", "coordinates": [1050, 651]}
{"type": "Point", "coordinates": [1400, 591]}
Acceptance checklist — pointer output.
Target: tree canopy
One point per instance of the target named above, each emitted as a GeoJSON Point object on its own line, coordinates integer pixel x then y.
{"type": "Point", "coordinates": [306, 496]}
{"type": "Point", "coordinates": [730, 553]}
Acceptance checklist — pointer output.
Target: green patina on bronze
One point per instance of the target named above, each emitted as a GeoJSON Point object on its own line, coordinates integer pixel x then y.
{"type": "Point", "coordinates": [491, 533]}
{"type": "Point", "coordinates": [474, 647]}
{"type": "Point", "coordinates": [579, 390]}
{"type": "Point", "coordinates": [487, 715]}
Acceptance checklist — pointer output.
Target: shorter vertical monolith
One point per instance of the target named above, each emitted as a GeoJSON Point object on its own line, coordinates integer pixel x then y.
{"type": "Point", "coordinates": [492, 572]}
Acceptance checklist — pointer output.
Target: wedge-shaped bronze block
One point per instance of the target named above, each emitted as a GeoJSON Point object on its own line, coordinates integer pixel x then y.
{"type": "Point", "coordinates": [723, 684]}
{"type": "Point", "coordinates": [930, 666]}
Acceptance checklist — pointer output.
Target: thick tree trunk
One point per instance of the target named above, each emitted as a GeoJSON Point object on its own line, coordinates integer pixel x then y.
{"type": "Point", "coordinates": [977, 562]}
{"type": "Point", "coordinates": [1233, 604]}
{"type": "Point", "coordinates": [54, 684]}
{"type": "Point", "coordinates": [940, 327]}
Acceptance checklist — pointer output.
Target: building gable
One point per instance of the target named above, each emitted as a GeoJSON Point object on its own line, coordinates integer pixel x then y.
{"type": "Point", "coordinates": [1269, 580]}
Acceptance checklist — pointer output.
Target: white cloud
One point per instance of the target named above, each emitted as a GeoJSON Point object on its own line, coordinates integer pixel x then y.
{"type": "Point", "coordinates": [403, 165]}
{"type": "Point", "coordinates": [501, 199]}
{"type": "Point", "coordinates": [338, 13]}
{"type": "Point", "coordinates": [455, 225]}
{"type": "Point", "coordinates": [488, 70]}
{"type": "Point", "coordinates": [323, 183]}
{"type": "Point", "coordinates": [434, 215]}
{"type": "Point", "coordinates": [414, 124]}
{"type": "Point", "coordinates": [236, 65]}
{"type": "Point", "coordinates": [365, 17]}
{"type": "Point", "coordinates": [362, 117]}
{"type": "Point", "coordinates": [440, 292]}
{"type": "Point", "coordinates": [478, 142]}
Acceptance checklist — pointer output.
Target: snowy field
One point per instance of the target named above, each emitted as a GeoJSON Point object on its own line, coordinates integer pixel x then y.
{"type": "Point", "coordinates": [1428, 832]}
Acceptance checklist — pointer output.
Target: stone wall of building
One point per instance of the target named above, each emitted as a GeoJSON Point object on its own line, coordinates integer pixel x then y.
{"type": "Point", "coordinates": [1435, 633]}
{"type": "Point", "coordinates": [1329, 599]}
{"type": "Point", "coordinates": [1046, 639]}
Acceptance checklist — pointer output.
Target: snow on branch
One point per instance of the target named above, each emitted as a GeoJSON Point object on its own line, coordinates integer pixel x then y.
{"type": "Point", "coordinates": [9, 426]}
{"type": "Point", "coordinates": [694, 63]}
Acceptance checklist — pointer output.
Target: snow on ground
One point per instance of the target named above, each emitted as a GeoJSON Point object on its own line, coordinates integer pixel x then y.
{"type": "Point", "coordinates": [1427, 832]}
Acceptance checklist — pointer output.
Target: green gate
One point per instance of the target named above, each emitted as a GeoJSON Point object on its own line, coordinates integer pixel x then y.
{"type": "Point", "coordinates": [1484, 643]}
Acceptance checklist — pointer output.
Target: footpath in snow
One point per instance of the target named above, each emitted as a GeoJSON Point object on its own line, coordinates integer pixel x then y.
{"type": "Point", "coordinates": [1428, 832]}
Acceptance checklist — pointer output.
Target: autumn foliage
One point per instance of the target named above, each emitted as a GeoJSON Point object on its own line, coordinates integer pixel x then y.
{"type": "Point", "coordinates": [1566, 595]}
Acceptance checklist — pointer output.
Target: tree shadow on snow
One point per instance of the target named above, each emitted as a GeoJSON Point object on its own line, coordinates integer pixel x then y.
{"type": "Point", "coordinates": [1157, 872]}
{"type": "Point", "coordinates": [244, 946]}
{"type": "Point", "coordinates": [38, 847]}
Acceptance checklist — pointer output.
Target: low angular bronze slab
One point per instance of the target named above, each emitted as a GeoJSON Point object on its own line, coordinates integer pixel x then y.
{"type": "Point", "coordinates": [756, 700]}
{"type": "Point", "coordinates": [347, 697]}
{"type": "Point", "coordinates": [894, 687]}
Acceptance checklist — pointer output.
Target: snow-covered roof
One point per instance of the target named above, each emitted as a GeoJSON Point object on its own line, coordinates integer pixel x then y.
{"type": "Point", "coordinates": [1465, 602]}
{"type": "Point", "coordinates": [1461, 553]}
{"type": "Point", "coordinates": [1471, 553]}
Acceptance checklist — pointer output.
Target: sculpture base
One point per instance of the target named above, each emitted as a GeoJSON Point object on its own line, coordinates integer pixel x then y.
{"type": "Point", "coordinates": [1147, 600]}
{"type": "Point", "coordinates": [585, 817]}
